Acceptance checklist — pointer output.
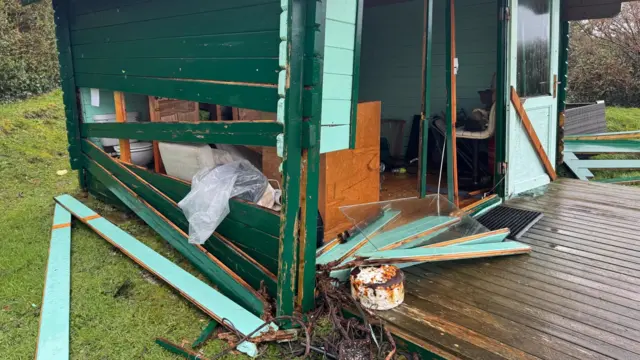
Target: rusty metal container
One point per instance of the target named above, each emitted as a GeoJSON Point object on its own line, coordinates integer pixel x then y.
{"type": "Point", "coordinates": [378, 287]}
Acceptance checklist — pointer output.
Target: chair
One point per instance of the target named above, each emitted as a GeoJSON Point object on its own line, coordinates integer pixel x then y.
{"type": "Point", "coordinates": [476, 136]}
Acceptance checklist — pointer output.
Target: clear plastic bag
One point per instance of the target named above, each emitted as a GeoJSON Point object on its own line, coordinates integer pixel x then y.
{"type": "Point", "coordinates": [207, 204]}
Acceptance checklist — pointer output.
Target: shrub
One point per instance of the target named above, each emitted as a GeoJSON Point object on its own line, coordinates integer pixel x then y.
{"type": "Point", "coordinates": [28, 54]}
{"type": "Point", "coordinates": [604, 59]}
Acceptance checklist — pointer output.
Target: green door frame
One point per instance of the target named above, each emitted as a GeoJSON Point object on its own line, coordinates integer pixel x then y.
{"type": "Point", "coordinates": [426, 95]}
{"type": "Point", "coordinates": [502, 38]}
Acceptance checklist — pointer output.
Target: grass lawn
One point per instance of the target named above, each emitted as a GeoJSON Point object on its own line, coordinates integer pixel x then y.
{"type": "Point", "coordinates": [103, 325]}
{"type": "Point", "coordinates": [619, 119]}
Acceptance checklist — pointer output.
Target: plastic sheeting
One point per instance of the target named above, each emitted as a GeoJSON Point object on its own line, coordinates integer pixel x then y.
{"type": "Point", "coordinates": [207, 204]}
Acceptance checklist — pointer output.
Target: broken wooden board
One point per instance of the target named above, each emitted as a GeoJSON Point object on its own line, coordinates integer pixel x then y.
{"type": "Point", "coordinates": [482, 238]}
{"type": "Point", "coordinates": [602, 146]}
{"type": "Point", "coordinates": [606, 164]}
{"type": "Point", "coordinates": [340, 252]}
{"type": "Point", "coordinates": [241, 263]}
{"type": "Point", "coordinates": [420, 255]}
{"type": "Point", "coordinates": [53, 336]}
{"type": "Point", "coordinates": [226, 280]}
{"type": "Point", "coordinates": [634, 134]}
{"type": "Point", "coordinates": [206, 298]}
{"type": "Point", "coordinates": [179, 350]}
{"type": "Point", "coordinates": [205, 334]}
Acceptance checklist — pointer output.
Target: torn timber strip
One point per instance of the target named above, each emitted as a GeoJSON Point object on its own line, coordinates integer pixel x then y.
{"type": "Point", "coordinates": [207, 299]}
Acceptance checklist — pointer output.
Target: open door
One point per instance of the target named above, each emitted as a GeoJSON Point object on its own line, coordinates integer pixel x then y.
{"type": "Point", "coordinates": [533, 68]}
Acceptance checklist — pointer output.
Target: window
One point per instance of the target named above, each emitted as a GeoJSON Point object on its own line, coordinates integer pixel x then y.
{"type": "Point", "coordinates": [534, 47]}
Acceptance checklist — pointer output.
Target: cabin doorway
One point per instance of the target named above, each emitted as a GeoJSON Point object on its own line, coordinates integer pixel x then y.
{"type": "Point", "coordinates": [392, 70]}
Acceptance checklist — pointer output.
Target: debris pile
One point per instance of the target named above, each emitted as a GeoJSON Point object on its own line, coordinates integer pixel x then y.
{"type": "Point", "coordinates": [409, 232]}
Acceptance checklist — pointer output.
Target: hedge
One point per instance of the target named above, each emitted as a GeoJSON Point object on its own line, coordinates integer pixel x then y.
{"type": "Point", "coordinates": [28, 54]}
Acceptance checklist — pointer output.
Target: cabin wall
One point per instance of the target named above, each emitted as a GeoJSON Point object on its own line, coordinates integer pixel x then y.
{"type": "Point", "coordinates": [161, 47]}
{"type": "Point", "coordinates": [391, 61]}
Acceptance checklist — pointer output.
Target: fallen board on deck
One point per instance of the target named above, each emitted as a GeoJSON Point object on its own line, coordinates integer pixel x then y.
{"type": "Point", "coordinates": [53, 336]}
{"type": "Point", "coordinates": [419, 255]}
{"type": "Point", "coordinates": [482, 238]}
{"type": "Point", "coordinates": [206, 298]}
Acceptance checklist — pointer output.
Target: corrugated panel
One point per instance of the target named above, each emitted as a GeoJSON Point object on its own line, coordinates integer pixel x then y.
{"type": "Point", "coordinates": [589, 119]}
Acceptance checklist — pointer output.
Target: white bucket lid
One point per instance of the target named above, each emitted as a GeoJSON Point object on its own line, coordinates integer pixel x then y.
{"type": "Point", "coordinates": [136, 146]}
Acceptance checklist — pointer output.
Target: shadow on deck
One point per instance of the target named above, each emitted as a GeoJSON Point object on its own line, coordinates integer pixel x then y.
{"type": "Point", "coordinates": [576, 296]}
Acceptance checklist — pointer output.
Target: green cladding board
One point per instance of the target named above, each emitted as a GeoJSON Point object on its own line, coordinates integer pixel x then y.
{"type": "Point", "coordinates": [192, 50]}
{"type": "Point", "coordinates": [212, 302]}
{"type": "Point", "coordinates": [53, 337]}
{"type": "Point", "coordinates": [338, 71]}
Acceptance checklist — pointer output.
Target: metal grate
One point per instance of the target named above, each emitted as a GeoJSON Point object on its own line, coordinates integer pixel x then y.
{"type": "Point", "coordinates": [518, 221]}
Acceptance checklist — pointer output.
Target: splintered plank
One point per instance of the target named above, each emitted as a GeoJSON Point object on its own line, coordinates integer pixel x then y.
{"type": "Point", "coordinates": [227, 281]}
{"type": "Point", "coordinates": [205, 334]}
{"type": "Point", "coordinates": [342, 251]}
{"type": "Point", "coordinates": [531, 132]}
{"type": "Point", "coordinates": [207, 299]}
{"type": "Point", "coordinates": [419, 255]}
{"type": "Point", "coordinates": [53, 336]}
{"type": "Point", "coordinates": [249, 269]}
{"type": "Point", "coordinates": [495, 236]}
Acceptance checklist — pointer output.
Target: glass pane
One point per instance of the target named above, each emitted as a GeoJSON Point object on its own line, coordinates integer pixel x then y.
{"type": "Point", "coordinates": [534, 47]}
{"type": "Point", "coordinates": [411, 222]}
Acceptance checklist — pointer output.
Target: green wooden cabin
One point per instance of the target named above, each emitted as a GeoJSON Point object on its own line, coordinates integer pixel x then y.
{"type": "Point", "coordinates": [309, 62]}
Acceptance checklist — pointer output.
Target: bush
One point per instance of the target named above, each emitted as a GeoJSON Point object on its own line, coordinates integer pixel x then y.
{"type": "Point", "coordinates": [604, 59]}
{"type": "Point", "coordinates": [28, 54]}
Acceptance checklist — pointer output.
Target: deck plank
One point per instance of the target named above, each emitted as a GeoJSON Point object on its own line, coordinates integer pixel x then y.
{"type": "Point", "coordinates": [576, 296]}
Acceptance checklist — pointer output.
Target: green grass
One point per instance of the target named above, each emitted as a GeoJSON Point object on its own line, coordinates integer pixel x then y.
{"type": "Point", "coordinates": [32, 149]}
{"type": "Point", "coordinates": [622, 119]}
{"type": "Point", "coordinates": [619, 119]}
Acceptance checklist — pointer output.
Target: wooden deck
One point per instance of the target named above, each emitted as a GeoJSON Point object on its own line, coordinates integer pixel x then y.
{"type": "Point", "coordinates": [576, 296]}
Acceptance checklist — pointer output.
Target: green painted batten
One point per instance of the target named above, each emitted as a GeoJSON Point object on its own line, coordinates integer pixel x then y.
{"type": "Point", "coordinates": [53, 336]}
{"type": "Point", "coordinates": [212, 132]}
{"type": "Point", "coordinates": [206, 297]}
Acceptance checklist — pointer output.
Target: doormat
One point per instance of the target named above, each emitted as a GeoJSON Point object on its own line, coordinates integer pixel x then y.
{"type": "Point", "coordinates": [518, 221]}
